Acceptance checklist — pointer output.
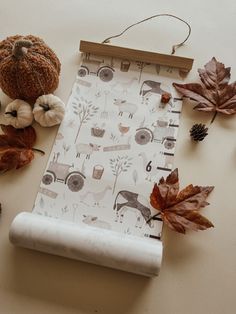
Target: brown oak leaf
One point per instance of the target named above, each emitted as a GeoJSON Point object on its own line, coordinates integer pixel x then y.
{"type": "Point", "coordinates": [180, 209]}
{"type": "Point", "coordinates": [16, 147]}
{"type": "Point", "coordinates": [216, 94]}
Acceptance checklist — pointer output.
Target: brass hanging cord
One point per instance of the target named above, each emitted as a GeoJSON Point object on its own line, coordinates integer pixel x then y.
{"type": "Point", "coordinates": [174, 47]}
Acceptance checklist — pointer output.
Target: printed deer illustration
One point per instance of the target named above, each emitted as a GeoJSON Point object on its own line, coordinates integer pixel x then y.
{"type": "Point", "coordinates": [96, 196]}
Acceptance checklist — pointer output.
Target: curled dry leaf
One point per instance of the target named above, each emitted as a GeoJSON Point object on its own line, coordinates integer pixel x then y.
{"type": "Point", "coordinates": [16, 147]}
{"type": "Point", "coordinates": [216, 94]}
{"type": "Point", "coordinates": [180, 209]}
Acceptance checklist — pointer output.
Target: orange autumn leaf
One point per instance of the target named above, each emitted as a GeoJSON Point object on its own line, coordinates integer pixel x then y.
{"type": "Point", "coordinates": [180, 209]}
{"type": "Point", "coordinates": [16, 147]}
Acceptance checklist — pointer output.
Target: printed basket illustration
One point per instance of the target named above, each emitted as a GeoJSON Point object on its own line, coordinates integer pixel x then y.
{"type": "Point", "coordinates": [97, 132]}
{"type": "Point", "coordinates": [98, 171]}
{"type": "Point", "coordinates": [124, 66]}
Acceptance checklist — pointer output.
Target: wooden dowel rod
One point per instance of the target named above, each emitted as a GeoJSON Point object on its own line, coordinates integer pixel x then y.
{"type": "Point", "coordinates": [182, 63]}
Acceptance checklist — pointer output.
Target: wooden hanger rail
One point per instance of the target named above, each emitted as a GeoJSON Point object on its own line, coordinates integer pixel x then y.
{"type": "Point", "coordinates": [182, 63]}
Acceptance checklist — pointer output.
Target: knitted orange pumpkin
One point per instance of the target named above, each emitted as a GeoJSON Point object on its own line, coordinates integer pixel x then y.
{"type": "Point", "coordinates": [28, 67]}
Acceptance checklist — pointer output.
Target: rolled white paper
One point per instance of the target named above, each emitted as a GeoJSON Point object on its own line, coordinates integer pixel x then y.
{"type": "Point", "coordinates": [85, 243]}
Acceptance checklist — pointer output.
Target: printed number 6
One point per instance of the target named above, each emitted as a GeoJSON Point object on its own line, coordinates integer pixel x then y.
{"type": "Point", "coordinates": [149, 167]}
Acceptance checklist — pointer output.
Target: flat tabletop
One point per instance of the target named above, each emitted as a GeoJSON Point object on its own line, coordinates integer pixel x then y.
{"type": "Point", "coordinates": [198, 273]}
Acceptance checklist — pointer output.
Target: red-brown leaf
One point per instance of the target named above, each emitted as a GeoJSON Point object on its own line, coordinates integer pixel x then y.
{"type": "Point", "coordinates": [215, 94]}
{"type": "Point", "coordinates": [156, 199]}
{"type": "Point", "coordinates": [16, 147]}
{"type": "Point", "coordinates": [19, 137]}
{"type": "Point", "coordinates": [191, 220]}
{"type": "Point", "coordinates": [180, 210]}
{"type": "Point", "coordinates": [166, 191]}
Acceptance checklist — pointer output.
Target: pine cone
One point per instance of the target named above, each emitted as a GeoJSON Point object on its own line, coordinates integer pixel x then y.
{"type": "Point", "coordinates": [198, 132]}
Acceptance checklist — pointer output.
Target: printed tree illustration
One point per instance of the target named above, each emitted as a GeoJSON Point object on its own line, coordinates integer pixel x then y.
{"type": "Point", "coordinates": [85, 110]}
{"type": "Point", "coordinates": [104, 113]}
{"type": "Point", "coordinates": [141, 65]}
{"type": "Point", "coordinates": [119, 165]}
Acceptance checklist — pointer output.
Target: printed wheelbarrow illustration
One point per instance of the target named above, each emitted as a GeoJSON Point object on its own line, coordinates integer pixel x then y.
{"type": "Point", "coordinates": [162, 133]}
{"type": "Point", "coordinates": [96, 67]}
{"type": "Point", "coordinates": [58, 172]}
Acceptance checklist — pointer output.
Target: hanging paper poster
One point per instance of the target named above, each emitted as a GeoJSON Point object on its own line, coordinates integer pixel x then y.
{"type": "Point", "coordinates": [118, 138]}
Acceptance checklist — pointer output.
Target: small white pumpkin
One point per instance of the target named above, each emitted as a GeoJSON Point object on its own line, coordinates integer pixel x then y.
{"type": "Point", "coordinates": [19, 114]}
{"type": "Point", "coordinates": [49, 110]}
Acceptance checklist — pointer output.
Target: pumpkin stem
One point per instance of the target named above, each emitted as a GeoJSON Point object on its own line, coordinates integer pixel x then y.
{"type": "Point", "coordinates": [20, 47]}
{"type": "Point", "coordinates": [13, 113]}
{"type": "Point", "coordinates": [45, 107]}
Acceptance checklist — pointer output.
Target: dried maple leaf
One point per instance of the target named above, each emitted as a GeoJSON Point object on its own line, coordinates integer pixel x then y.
{"type": "Point", "coordinates": [215, 95]}
{"type": "Point", "coordinates": [180, 209]}
{"type": "Point", "coordinates": [16, 147]}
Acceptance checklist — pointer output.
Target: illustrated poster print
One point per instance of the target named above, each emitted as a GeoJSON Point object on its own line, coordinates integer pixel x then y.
{"type": "Point", "coordinates": [116, 140]}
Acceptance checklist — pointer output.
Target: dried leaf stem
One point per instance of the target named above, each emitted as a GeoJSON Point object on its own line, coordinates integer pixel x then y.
{"type": "Point", "coordinates": [214, 116]}
{"type": "Point", "coordinates": [152, 217]}
{"type": "Point", "coordinates": [38, 150]}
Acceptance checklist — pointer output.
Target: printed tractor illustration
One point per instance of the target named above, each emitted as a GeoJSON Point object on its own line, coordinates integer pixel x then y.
{"type": "Point", "coordinates": [162, 133]}
{"type": "Point", "coordinates": [96, 67]}
{"type": "Point", "coordinates": [58, 172]}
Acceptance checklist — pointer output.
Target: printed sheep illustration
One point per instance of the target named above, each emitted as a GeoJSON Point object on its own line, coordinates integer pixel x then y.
{"type": "Point", "coordinates": [125, 106]}
{"type": "Point", "coordinates": [95, 222]}
{"type": "Point", "coordinates": [86, 149]}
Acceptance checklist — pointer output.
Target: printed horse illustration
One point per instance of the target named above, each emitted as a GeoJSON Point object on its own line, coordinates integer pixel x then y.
{"type": "Point", "coordinates": [126, 200]}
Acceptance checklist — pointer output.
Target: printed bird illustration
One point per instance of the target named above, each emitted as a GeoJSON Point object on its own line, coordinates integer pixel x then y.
{"type": "Point", "coordinates": [123, 129]}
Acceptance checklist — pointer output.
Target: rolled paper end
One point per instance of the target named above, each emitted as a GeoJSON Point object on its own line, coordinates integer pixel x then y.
{"type": "Point", "coordinates": [89, 244]}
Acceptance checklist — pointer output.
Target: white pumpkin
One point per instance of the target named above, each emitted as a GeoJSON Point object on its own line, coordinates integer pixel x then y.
{"type": "Point", "coordinates": [19, 114]}
{"type": "Point", "coordinates": [49, 110]}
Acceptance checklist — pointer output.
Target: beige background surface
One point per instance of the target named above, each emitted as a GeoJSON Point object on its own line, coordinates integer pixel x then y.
{"type": "Point", "coordinates": [198, 274]}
